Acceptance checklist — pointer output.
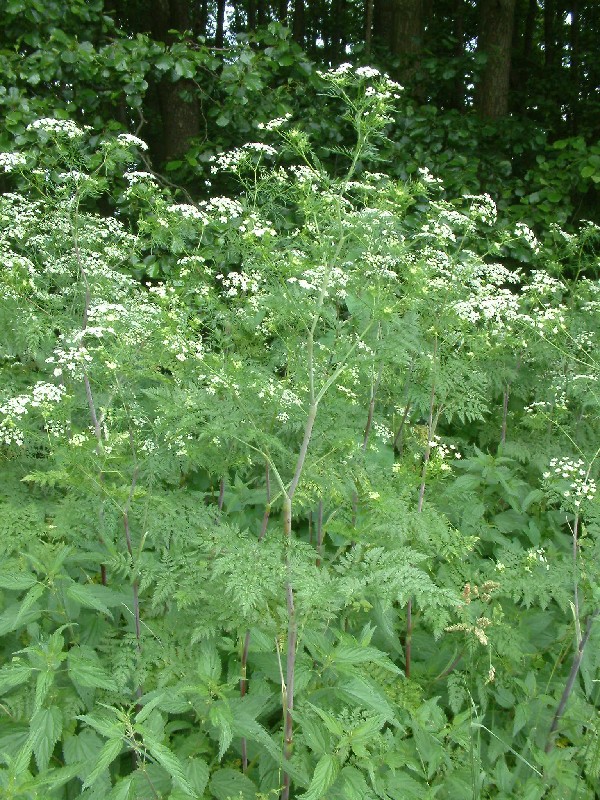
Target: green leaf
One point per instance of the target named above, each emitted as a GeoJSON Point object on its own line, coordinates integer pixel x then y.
{"type": "Point", "coordinates": [197, 772]}
{"type": "Point", "coordinates": [85, 669]}
{"type": "Point", "coordinates": [42, 687]}
{"type": "Point", "coordinates": [17, 581]}
{"type": "Point", "coordinates": [107, 755]}
{"type": "Point", "coordinates": [361, 690]}
{"type": "Point", "coordinates": [228, 783]}
{"type": "Point", "coordinates": [14, 675]}
{"type": "Point", "coordinates": [93, 596]}
{"type": "Point", "coordinates": [83, 749]}
{"type": "Point", "coordinates": [46, 728]}
{"type": "Point", "coordinates": [326, 772]}
{"type": "Point", "coordinates": [169, 761]}
{"type": "Point", "coordinates": [124, 790]}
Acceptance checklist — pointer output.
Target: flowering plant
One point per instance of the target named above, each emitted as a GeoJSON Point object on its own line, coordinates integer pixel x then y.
{"type": "Point", "coordinates": [326, 402]}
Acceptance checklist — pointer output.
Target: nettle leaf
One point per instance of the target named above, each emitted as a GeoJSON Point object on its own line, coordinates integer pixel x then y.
{"type": "Point", "coordinates": [367, 695]}
{"type": "Point", "coordinates": [83, 749]}
{"type": "Point", "coordinates": [85, 669]}
{"type": "Point", "coordinates": [42, 686]}
{"type": "Point", "coordinates": [124, 790]}
{"type": "Point", "coordinates": [46, 728]}
{"type": "Point", "coordinates": [107, 755]}
{"type": "Point", "coordinates": [228, 783]}
{"type": "Point", "coordinates": [17, 581]}
{"type": "Point", "coordinates": [169, 761]}
{"type": "Point", "coordinates": [16, 615]}
{"type": "Point", "coordinates": [94, 596]}
{"type": "Point", "coordinates": [13, 675]}
{"type": "Point", "coordinates": [326, 772]}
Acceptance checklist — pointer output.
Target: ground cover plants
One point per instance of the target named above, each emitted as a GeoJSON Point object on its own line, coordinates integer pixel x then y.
{"type": "Point", "coordinates": [298, 492]}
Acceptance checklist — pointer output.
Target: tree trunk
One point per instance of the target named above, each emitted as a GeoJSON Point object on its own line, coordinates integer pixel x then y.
{"type": "Point", "coordinates": [251, 15]}
{"type": "Point", "coordinates": [220, 29]}
{"type": "Point", "coordinates": [494, 40]}
{"type": "Point", "coordinates": [575, 65]}
{"type": "Point", "coordinates": [180, 115]}
{"type": "Point", "coordinates": [298, 22]}
{"type": "Point", "coordinates": [549, 33]}
{"type": "Point", "coordinates": [399, 26]}
{"type": "Point", "coordinates": [368, 27]}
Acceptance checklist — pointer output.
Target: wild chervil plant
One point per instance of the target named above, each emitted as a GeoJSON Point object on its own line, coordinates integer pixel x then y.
{"type": "Point", "coordinates": [298, 485]}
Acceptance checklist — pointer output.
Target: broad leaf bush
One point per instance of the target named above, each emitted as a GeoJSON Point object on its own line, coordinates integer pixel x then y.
{"type": "Point", "coordinates": [311, 512]}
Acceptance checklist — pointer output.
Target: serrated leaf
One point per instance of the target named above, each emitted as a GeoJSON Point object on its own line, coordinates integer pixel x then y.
{"type": "Point", "coordinates": [17, 581]}
{"type": "Point", "coordinates": [244, 725]}
{"type": "Point", "coordinates": [53, 778]}
{"type": "Point", "coordinates": [85, 669]}
{"type": "Point", "coordinates": [42, 686]}
{"type": "Point", "coordinates": [169, 761]}
{"type": "Point", "coordinates": [124, 790]}
{"type": "Point", "coordinates": [13, 675]}
{"type": "Point", "coordinates": [333, 725]}
{"type": "Point", "coordinates": [46, 728]}
{"type": "Point", "coordinates": [93, 596]}
{"type": "Point", "coordinates": [105, 725]}
{"type": "Point", "coordinates": [83, 749]}
{"type": "Point", "coordinates": [355, 654]}
{"type": "Point", "coordinates": [197, 772]}
{"type": "Point", "coordinates": [367, 695]}
{"type": "Point", "coordinates": [226, 783]}
{"type": "Point", "coordinates": [326, 772]}
{"type": "Point", "coordinates": [107, 755]}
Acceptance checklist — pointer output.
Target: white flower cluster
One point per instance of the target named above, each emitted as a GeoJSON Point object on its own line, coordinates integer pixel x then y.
{"type": "Point", "coordinates": [580, 485]}
{"type": "Point", "coordinates": [254, 226]}
{"type": "Point", "coordinates": [536, 556]}
{"type": "Point", "coordinates": [224, 208]}
{"type": "Point", "coordinates": [499, 306]}
{"type": "Point", "coordinates": [43, 395]}
{"type": "Point", "coordinates": [524, 232]}
{"type": "Point", "coordinates": [240, 283]}
{"type": "Point", "coordinates": [128, 139]}
{"type": "Point", "coordinates": [312, 280]}
{"type": "Point", "coordinates": [273, 124]}
{"type": "Point", "coordinates": [428, 178]}
{"type": "Point", "coordinates": [134, 177]}
{"type": "Point", "coordinates": [11, 161]}
{"type": "Point", "coordinates": [382, 432]}
{"type": "Point", "coordinates": [58, 127]}
{"type": "Point", "coordinates": [68, 360]}
{"type": "Point", "coordinates": [483, 208]}
{"type": "Point", "coordinates": [232, 160]}
{"type": "Point", "coordinates": [186, 211]}
{"type": "Point", "coordinates": [541, 283]}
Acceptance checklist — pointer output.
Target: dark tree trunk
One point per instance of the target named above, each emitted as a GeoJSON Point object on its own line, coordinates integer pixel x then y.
{"type": "Point", "coordinates": [399, 26]}
{"type": "Point", "coordinates": [575, 65]}
{"type": "Point", "coordinates": [178, 106]}
{"type": "Point", "coordinates": [298, 24]}
{"type": "Point", "coordinates": [458, 84]}
{"type": "Point", "coordinates": [261, 12]}
{"type": "Point", "coordinates": [251, 15]}
{"type": "Point", "coordinates": [368, 26]}
{"type": "Point", "coordinates": [494, 40]}
{"type": "Point", "coordinates": [549, 34]}
{"type": "Point", "coordinates": [383, 22]}
{"type": "Point", "coordinates": [220, 28]}
{"type": "Point", "coordinates": [282, 11]}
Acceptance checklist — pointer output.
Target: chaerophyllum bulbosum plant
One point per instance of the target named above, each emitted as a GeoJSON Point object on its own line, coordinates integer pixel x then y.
{"type": "Point", "coordinates": [298, 482]}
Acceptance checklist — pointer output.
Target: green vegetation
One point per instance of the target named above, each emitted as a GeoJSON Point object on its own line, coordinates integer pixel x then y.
{"type": "Point", "coordinates": [299, 420]}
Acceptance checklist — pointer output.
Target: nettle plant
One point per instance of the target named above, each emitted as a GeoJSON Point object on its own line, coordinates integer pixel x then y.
{"type": "Point", "coordinates": [297, 484]}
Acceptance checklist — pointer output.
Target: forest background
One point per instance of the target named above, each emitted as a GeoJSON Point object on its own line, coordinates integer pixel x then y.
{"type": "Point", "coordinates": [299, 415]}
